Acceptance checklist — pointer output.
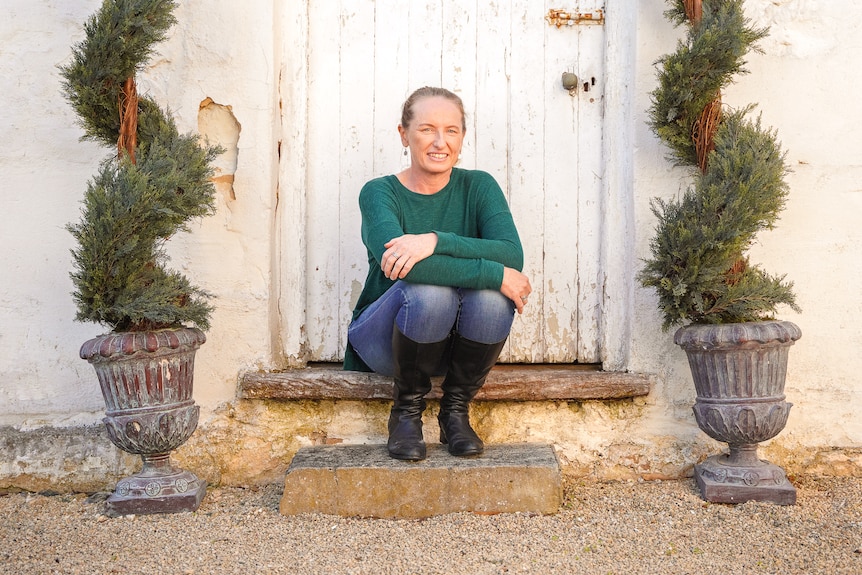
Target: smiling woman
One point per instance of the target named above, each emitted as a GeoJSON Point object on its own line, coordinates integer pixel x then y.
{"type": "Point", "coordinates": [434, 140]}
{"type": "Point", "coordinates": [444, 278]}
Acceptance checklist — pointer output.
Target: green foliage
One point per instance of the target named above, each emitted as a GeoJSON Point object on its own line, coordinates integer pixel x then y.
{"type": "Point", "coordinates": [131, 209]}
{"type": "Point", "coordinates": [702, 65]}
{"type": "Point", "coordinates": [118, 42]}
{"type": "Point", "coordinates": [698, 265]}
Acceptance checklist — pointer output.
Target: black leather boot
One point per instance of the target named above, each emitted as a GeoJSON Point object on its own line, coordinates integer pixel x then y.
{"type": "Point", "coordinates": [414, 364]}
{"type": "Point", "coordinates": [468, 367]}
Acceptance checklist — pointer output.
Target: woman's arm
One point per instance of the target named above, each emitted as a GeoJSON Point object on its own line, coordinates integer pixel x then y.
{"type": "Point", "coordinates": [441, 257]}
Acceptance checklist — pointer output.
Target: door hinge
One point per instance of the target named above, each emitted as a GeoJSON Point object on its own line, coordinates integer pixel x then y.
{"type": "Point", "coordinates": [560, 18]}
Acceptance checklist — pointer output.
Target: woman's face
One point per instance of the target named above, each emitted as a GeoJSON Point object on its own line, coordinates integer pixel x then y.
{"type": "Point", "coordinates": [435, 135]}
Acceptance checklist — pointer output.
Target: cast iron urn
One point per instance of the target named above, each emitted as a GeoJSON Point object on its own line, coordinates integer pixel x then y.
{"type": "Point", "coordinates": [739, 371]}
{"type": "Point", "coordinates": [146, 380]}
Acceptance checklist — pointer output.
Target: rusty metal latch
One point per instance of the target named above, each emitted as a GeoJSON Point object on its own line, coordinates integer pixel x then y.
{"type": "Point", "coordinates": [560, 18]}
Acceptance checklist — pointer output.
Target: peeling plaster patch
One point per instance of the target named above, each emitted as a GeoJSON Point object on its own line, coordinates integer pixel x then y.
{"type": "Point", "coordinates": [219, 126]}
{"type": "Point", "coordinates": [800, 28]}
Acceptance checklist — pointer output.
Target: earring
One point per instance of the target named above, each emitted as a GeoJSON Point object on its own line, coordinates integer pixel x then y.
{"type": "Point", "coordinates": [405, 158]}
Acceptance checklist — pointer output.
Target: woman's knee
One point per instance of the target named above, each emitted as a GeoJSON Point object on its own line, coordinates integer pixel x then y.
{"type": "Point", "coordinates": [431, 298]}
{"type": "Point", "coordinates": [428, 312]}
{"type": "Point", "coordinates": [486, 316]}
{"type": "Point", "coordinates": [490, 302]}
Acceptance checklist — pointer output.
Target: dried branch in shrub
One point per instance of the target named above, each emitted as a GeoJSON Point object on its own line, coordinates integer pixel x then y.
{"type": "Point", "coordinates": [692, 77]}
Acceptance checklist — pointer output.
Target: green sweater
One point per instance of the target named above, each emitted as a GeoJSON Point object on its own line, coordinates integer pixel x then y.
{"type": "Point", "coordinates": [476, 236]}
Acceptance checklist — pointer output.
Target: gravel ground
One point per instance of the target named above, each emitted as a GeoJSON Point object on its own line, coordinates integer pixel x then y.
{"type": "Point", "coordinates": [603, 528]}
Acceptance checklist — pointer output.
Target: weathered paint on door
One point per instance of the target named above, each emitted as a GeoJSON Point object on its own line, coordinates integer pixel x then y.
{"type": "Point", "coordinates": [541, 142]}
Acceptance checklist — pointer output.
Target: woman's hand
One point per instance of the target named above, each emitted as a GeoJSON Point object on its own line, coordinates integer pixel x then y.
{"type": "Point", "coordinates": [403, 252]}
{"type": "Point", "coordinates": [516, 287]}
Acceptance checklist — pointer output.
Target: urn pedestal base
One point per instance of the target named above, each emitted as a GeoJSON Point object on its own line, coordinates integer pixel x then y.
{"type": "Point", "coordinates": [144, 494]}
{"type": "Point", "coordinates": [720, 482]}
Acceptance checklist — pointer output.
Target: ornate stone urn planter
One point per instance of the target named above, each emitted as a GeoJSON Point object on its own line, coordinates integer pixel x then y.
{"type": "Point", "coordinates": [739, 371]}
{"type": "Point", "coordinates": [146, 380]}
{"type": "Point", "coordinates": [698, 263]}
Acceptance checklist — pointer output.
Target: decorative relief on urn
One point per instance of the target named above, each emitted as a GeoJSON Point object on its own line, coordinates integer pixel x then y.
{"type": "Point", "coordinates": [155, 432]}
{"type": "Point", "coordinates": [742, 423]}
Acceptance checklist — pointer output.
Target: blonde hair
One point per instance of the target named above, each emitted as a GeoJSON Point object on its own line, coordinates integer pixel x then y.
{"type": "Point", "coordinates": [428, 92]}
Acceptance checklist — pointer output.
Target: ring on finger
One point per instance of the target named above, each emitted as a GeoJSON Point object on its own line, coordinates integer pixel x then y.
{"type": "Point", "coordinates": [524, 298]}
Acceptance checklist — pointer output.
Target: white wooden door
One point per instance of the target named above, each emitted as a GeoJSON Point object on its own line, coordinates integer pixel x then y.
{"type": "Point", "coordinates": [542, 143]}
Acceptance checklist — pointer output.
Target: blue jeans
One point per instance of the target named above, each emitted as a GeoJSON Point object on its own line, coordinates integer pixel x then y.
{"type": "Point", "coordinates": [427, 314]}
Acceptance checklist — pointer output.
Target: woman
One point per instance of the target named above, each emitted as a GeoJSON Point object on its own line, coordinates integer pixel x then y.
{"type": "Point", "coordinates": [444, 278]}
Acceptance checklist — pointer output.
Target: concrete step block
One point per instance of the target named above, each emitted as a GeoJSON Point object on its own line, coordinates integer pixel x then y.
{"type": "Point", "coordinates": [363, 481]}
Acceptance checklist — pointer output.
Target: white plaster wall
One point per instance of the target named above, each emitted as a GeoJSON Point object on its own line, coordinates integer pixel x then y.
{"type": "Point", "coordinates": [222, 50]}
{"type": "Point", "coordinates": [811, 93]}
{"type": "Point", "coordinates": [44, 173]}
{"type": "Point", "coordinates": [219, 49]}
{"type": "Point", "coordinates": [805, 84]}
{"type": "Point", "coordinates": [806, 88]}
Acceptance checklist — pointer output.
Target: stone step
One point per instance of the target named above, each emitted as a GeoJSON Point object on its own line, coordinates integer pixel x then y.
{"type": "Point", "coordinates": [363, 481]}
{"type": "Point", "coordinates": [504, 383]}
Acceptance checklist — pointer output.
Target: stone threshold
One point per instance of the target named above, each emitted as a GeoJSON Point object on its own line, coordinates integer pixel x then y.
{"type": "Point", "coordinates": [506, 382]}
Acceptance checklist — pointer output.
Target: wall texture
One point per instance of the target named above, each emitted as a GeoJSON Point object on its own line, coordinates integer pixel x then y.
{"type": "Point", "coordinates": [220, 73]}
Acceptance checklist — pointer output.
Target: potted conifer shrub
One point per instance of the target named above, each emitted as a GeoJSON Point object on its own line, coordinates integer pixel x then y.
{"type": "Point", "coordinates": [698, 265]}
{"type": "Point", "coordinates": [153, 184]}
